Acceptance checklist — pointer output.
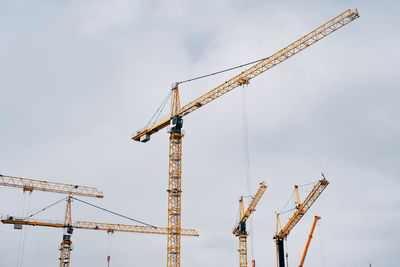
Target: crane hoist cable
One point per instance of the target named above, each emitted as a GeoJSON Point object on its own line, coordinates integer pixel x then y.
{"type": "Point", "coordinates": [247, 166]}
{"type": "Point", "coordinates": [109, 245]}
{"type": "Point", "coordinates": [22, 237]}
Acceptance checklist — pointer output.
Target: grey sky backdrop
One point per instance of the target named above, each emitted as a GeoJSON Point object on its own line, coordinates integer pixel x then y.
{"type": "Point", "coordinates": [77, 78]}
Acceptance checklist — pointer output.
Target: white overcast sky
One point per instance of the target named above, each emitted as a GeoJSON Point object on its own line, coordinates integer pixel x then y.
{"type": "Point", "coordinates": [77, 78]}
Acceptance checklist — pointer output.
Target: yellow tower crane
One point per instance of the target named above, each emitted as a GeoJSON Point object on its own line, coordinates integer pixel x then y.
{"type": "Point", "coordinates": [109, 227]}
{"type": "Point", "coordinates": [301, 209]}
{"type": "Point", "coordinates": [177, 113]}
{"type": "Point", "coordinates": [309, 241]}
{"type": "Point", "coordinates": [240, 229]}
{"type": "Point", "coordinates": [68, 226]}
{"type": "Point", "coordinates": [33, 184]}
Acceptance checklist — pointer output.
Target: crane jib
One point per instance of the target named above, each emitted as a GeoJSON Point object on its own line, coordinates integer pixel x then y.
{"type": "Point", "coordinates": [244, 77]}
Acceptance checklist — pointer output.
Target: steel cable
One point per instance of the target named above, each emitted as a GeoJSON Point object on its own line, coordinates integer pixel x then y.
{"type": "Point", "coordinates": [112, 212]}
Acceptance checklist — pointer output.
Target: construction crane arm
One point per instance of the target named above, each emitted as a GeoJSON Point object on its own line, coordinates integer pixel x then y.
{"type": "Point", "coordinates": [244, 77]}
{"type": "Point", "coordinates": [264, 65]}
{"type": "Point", "coordinates": [130, 228]}
{"type": "Point", "coordinates": [252, 205]}
{"type": "Point", "coordinates": [100, 226]}
{"type": "Point", "coordinates": [18, 221]}
{"type": "Point", "coordinates": [302, 208]}
{"type": "Point", "coordinates": [32, 184]}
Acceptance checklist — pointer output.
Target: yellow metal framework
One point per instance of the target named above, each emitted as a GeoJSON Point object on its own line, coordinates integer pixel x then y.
{"type": "Point", "coordinates": [109, 227]}
{"type": "Point", "coordinates": [66, 243]}
{"type": "Point", "coordinates": [174, 189]}
{"type": "Point", "coordinates": [31, 184]}
{"type": "Point", "coordinates": [240, 229]}
{"type": "Point", "coordinates": [302, 208]}
{"type": "Point", "coordinates": [243, 250]}
{"type": "Point", "coordinates": [177, 112]}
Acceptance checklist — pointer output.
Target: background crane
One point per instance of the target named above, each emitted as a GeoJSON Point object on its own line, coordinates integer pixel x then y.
{"type": "Point", "coordinates": [301, 209]}
{"type": "Point", "coordinates": [68, 226]}
{"type": "Point", "coordinates": [177, 113]}
{"type": "Point", "coordinates": [108, 227]}
{"type": "Point", "coordinates": [240, 229]}
{"type": "Point", "coordinates": [33, 184]}
{"type": "Point", "coordinates": [308, 241]}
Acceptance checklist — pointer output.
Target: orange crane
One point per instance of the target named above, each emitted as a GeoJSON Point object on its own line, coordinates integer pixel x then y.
{"type": "Point", "coordinates": [33, 184]}
{"type": "Point", "coordinates": [308, 241]}
{"type": "Point", "coordinates": [240, 229]}
{"type": "Point", "coordinates": [301, 209]}
{"type": "Point", "coordinates": [177, 113]}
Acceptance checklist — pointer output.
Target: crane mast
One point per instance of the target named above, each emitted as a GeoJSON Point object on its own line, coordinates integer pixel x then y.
{"type": "Point", "coordinates": [66, 243]}
{"type": "Point", "coordinates": [177, 114]}
{"type": "Point", "coordinates": [174, 184]}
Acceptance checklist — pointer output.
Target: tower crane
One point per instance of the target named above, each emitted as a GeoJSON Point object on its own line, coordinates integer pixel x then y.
{"type": "Point", "coordinates": [33, 184]}
{"type": "Point", "coordinates": [240, 229]}
{"type": "Point", "coordinates": [301, 209]}
{"type": "Point", "coordinates": [178, 112]}
{"type": "Point", "coordinates": [68, 226]}
{"type": "Point", "coordinates": [308, 241]}
{"type": "Point", "coordinates": [109, 227]}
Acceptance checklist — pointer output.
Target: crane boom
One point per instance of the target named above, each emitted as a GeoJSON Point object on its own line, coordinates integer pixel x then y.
{"type": "Point", "coordinates": [32, 184]}
{"type": "Point", "coordinates": [260, 67]}
{"type": "Point", "coordinates": [110, 227]}
{"type": "Point", "coordinates": [308, 241]}
{"type": "Point", "coordinates": [302, 208]}
{"type": "Point", "coordinates": [252, 205]}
